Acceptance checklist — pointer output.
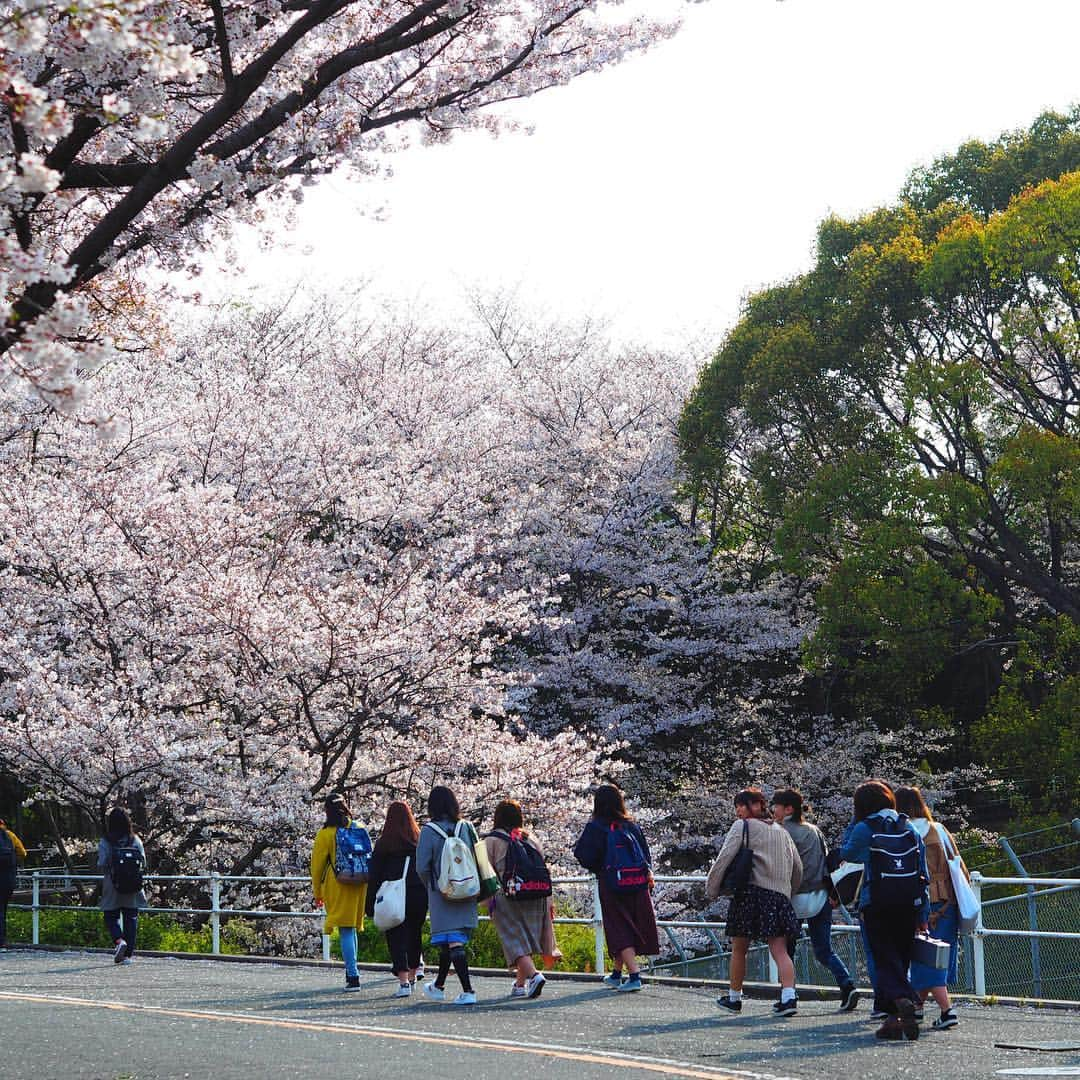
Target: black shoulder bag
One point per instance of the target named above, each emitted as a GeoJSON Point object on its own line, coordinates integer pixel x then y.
{"type": "Point", "coordinates": [737, 875]}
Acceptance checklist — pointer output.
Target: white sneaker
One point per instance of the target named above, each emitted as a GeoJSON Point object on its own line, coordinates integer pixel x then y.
{"type": "Point", "coordinates": [517, 991]}
{"type": "Point", "coordinates": [466, 997]}
{"type": "Point", "coordinates": [120, 951]}
{"type": "Point", "coordinates": [433, 992]}
{"type": "Point", "coordinates": [403, 990]}
{"type": "Point", "coordinates": [534, 987]}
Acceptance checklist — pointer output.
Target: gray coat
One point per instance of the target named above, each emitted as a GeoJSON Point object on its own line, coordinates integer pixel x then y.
{"type": "Point", "coordinates": [810, 845]}
{"type": "Point", "coordinates": [445, 915]}
{"type": "Point", "coordinates": [111, 900]}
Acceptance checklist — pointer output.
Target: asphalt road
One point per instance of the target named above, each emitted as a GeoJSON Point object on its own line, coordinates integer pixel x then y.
{"type": "Point", "coordinates": [76, 1016]}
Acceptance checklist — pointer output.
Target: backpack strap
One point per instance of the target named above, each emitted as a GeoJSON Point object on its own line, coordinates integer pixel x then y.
{"type": "Point", "coordinates": [442, 832]}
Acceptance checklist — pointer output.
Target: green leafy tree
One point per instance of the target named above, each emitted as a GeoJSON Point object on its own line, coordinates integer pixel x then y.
{"type": "Point", "coordinates": [902, 422]}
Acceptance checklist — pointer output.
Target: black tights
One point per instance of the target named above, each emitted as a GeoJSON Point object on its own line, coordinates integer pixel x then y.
{"type": "Point", "coordinates": [453, 954]}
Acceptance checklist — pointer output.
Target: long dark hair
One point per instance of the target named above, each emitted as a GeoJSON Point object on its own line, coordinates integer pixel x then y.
{"type": "Point", "coordinates": [872, 796]}
{"type": "Point", "coordinates": [910, 801]}
{"type": "Point", "coordinates": [608, 804]}
{"type": "Point", "coordinates": [118, 826]}
{"type": "Point", "coordinates": [338, 814]}
{"type": "Point", "coordinates": [400, 831]}
{"type": "Point", "coordinates": [442, 805]}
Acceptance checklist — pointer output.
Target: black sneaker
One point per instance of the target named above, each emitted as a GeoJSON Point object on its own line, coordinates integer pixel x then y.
{"type": "Point", "coordinates": [849, 998]}
{"type": "Point", "coordinates": [729, 1003]}
{"type": "Point", "coordinates": [880, 1014]}
{"type": "Point", "coordinates": [920, 1016]}
{"type": "Point", "coordinates": [947, 1019]}
{"type": "Point", "coordinates": [785, 1008]}
{"type": "Point", "coordinates": [352, 982]}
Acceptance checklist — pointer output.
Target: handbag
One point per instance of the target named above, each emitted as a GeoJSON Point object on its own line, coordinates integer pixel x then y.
{"type": "Point", "coordinates": [847, 880]}
{"type": "Point", "coordinates": [737, 875]}
{"type": "Point", "coordinates": [968, 909]}
{"type": "Point", "coordinates": [489, 880]}
{"type": "Point", "coordinates": [930, 952]}
{"type": "Point", "coordinates": [390, 901]}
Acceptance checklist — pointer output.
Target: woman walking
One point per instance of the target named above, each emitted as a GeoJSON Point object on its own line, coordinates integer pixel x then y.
{"type": "Point", "coordinates": [944, 914]}
{"type": "Point", "coordinates": [613, 847]}
{"type": "Point", "coordinates": [812, 901]}
{"type": "Point", "coordinates": [452, 921]}
{"type": "Point", "coordinates": [343, 901]}
{"type": "Point", "coordinates": [892, 906]}
{"type": "Point", "coordinates": [523, 919]}
{"type": "Point", "coordinates": [762, 910]}
{"type": "Point", "coordinates": [123, 859]}
{"type": "Point", "coordinates": [11, 851]}
{"type": "Point", "coordinates": [394, 857]}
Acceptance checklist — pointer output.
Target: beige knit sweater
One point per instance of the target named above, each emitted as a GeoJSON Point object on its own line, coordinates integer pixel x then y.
{"type": "Point", "coordinates": [776, 864]}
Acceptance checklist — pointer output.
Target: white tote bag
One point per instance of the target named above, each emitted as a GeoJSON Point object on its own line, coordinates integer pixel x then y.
{"type": "Point", "coordinates": [390, 901]}
{"type": "Point", "coordinates": [967, 903]}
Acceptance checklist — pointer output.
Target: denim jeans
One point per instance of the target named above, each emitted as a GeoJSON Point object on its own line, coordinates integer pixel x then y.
{"type": "Point", "coordinates": [347, 936]}
{"type": "Point", "coordinates": [130, 928]}
{"type": "Point", "coordinates": [820, 930]}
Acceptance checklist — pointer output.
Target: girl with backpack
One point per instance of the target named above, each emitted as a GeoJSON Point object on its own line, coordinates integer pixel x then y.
{"type": "Point", "coordinates": [343, 900]}
{"type": "Point", "coordinates": [761, 910]}
{"type": "Point", "coordinates": [122, 858]}
{"type": "Point", "coordinates": [521, 911]}
{"type": "Point", "coordinates": [11, 851]}
{"type": "Point", "coordinates": [616, 851]}
{"type": "Point", "coordinates": [394, 857]}
{"type": "Point", "coordinates": [893, 901]}
{"type": "Point", "coordinates": [944, 913]}
{"type": "Point", "coordinates": [452, 921]}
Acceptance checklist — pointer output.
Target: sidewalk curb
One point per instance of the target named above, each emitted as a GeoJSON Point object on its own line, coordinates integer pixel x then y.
{"type": "Point", "coordinates": [765, 991]}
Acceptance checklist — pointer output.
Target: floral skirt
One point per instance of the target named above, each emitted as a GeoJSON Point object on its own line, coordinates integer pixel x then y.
{"type": "Point", "coordinates": [761, 914]}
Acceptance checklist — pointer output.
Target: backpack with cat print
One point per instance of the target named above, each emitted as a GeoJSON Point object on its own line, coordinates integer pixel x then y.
{"type": "Point", "coordinates": [352, 854]}
{"type": "Point", "coordinates": [126, 868]}
{"type": "Point", "coordinates": [525, 874]}
{"type": "Point", "coordinates": [896, 877]}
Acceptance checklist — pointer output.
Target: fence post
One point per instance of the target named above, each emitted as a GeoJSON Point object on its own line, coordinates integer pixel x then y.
{"type": "Point", "coordinates": [35, 916]}
{"type": "Point", "coordinates": [978, 955]}
{"type": "Point", "coordinates": [598, 928]}
{"type": "Point", "coordinates": [326, 946]}
{"type": "Point", "coordinates": [1033, 917]}
{"type": "Point", "coordinates": [215, 912]}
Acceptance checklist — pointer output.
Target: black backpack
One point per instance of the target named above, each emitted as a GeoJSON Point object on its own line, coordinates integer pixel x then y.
{"type": "Point", "coordinates": [126, 868]}
{"type": "Point", "coordinates": [525, 874]}
{"type": "Point", "coordinates": [896, 877]}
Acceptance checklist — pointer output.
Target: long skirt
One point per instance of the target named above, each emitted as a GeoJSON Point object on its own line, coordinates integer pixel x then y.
{"type": "Point", "coordinates": [524, 927]}
{"type": "Point", "coordinates": [629, 921]}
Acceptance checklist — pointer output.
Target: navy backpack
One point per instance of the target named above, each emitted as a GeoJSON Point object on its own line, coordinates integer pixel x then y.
{"type": "Point", "coordinates": [626, 869]}
{"type": "Point", "coordinates": [896, 877]}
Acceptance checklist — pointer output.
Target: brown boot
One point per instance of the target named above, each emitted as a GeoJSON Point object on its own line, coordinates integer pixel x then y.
{"type": "Point", "coordinates": [891, 1029]}
{"type": "Point", "coordinates": [909, 1026]}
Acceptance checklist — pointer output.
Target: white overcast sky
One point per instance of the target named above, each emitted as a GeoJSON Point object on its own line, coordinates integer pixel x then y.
{"type": "Point", "coordinates": [656, 194]}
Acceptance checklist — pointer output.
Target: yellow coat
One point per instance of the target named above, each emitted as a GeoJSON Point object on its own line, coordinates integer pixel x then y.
{"type": "Point", "coordinates": [16, 843]}
{"type": "Point", "coordinates": [344, 903]}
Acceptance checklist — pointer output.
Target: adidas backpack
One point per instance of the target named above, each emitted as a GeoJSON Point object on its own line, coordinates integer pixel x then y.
{"type": "Point", "coordinates": [525, 874]}
{"type": "Point", "coordinates": [458, 878]}
{"type": "Point", "coordinates": [625, 866]}
{"type": "Point", "coordinates": [126, 868]}
{"type": "Point", "coordinates": [896, 876]}
{"type": "Point", "coordinates": [352, 854]}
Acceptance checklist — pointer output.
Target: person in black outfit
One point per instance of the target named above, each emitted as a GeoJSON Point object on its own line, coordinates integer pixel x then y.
{"type": "Point", "coordinates": [11, 851]}
{"type": "Point", "coordinates": [396, 843]}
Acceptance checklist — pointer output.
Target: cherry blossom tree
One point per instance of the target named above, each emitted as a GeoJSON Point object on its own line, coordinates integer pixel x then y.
{"type": "Point", "coordinates": [133, 126]}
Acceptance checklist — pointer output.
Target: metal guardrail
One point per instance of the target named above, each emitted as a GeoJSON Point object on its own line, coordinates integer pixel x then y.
{"type": "Point", "coordinates": [712, 930]}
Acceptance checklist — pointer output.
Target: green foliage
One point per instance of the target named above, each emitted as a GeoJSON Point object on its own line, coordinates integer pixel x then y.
{"type": "Point", "coordinates": [900, 423]}
{"type": "Point", "coordinates": [86, 929]}
{"type": "Point", "coordinates": [1032, 731]}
